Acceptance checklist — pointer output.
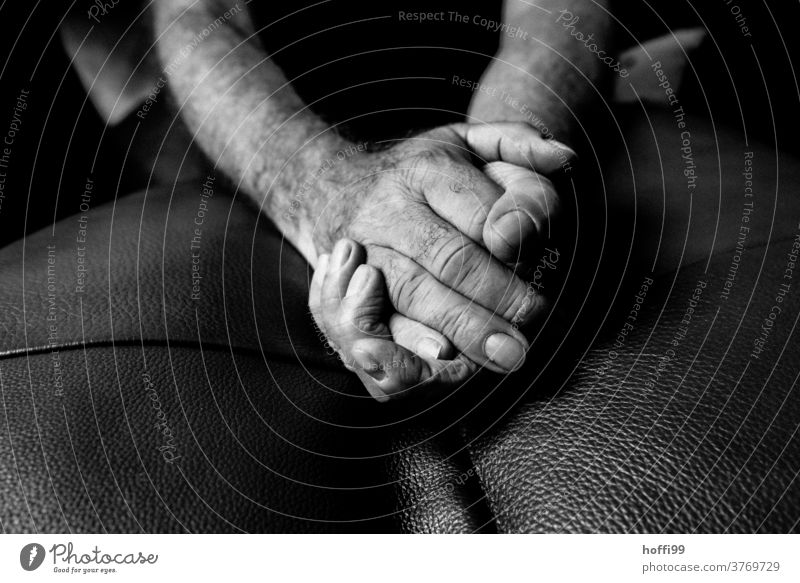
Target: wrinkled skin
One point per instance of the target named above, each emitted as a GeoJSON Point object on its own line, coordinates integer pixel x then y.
{"type": "Point", "coordinates": [438, 234]}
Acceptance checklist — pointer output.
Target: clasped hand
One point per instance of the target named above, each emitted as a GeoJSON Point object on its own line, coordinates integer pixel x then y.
{"type": "Point", "coordinates": [420, 286]}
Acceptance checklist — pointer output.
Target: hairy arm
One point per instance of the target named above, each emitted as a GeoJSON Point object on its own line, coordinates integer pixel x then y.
{"type": "Point", "coordinates": [241, 108]}
{"type": "Point", "coordinates": [549, 65]}
{"type": "Point", "coordinates": [438, 230]}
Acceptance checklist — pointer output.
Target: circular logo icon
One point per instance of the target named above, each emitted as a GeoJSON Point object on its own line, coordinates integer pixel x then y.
{"type": "Point", "coordinates": [31, 556]}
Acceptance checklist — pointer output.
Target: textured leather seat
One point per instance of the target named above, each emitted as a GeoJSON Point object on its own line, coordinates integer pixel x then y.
{"type": "Point", "coordinates": [680, 429]}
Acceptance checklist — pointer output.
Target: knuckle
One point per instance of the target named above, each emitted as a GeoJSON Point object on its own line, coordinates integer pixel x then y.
{"type": "Point", "coordinates": [371, 223]}
{"type": "Point", "coordinates": [360, 318]}
{"type": "Point", "coordinates": [425, 156]}
{"type": "Point", "coordinates": [407, 289]}
{"type": "Point", "coordinates": [420, 167]}
{"type": "Point", "coordinates": [428, 239]}
{"type": "Point", "coordinates": [433, 163]}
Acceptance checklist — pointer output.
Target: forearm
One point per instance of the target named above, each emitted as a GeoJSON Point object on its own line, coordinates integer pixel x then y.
{"type": "Point", "coordinates": [242, 111]}
{"type": "Point", "coordinates": [553, 68]}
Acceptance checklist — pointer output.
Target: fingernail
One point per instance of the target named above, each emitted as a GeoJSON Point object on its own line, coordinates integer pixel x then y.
{"type": "Point", "coordinates": [341, 253]}
{"type": "Point", "coordinates": [513, 226]}
{"type": "Point", "coordinates": [505, 351]}
{"type": "Point", "coordinates": [429, 348]}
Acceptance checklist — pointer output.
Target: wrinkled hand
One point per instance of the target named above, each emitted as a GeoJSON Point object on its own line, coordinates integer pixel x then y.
{"type": "Point", "coordinates": [349, 304]}
{"type": "Point", "coordinates": [440, 232]}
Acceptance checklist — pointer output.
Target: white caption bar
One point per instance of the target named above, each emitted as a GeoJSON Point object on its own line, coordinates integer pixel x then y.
{"type": "Point", "coordinates": [398, 558]}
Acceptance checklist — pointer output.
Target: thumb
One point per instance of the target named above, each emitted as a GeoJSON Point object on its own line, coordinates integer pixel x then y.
{"type": "Point", "coordinates": [516, 143]}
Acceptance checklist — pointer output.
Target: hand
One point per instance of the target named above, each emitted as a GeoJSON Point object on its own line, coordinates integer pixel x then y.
{"type": "Point", "coordinates": [348, 302]}
{"type": "Point", "coordinates": [423, 212]}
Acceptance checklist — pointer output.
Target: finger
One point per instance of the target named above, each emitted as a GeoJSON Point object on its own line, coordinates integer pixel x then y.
{"type": "Point", "coordinates": [483, 336]}
{"type": "Point", "coordinates": [387, 369]}
{"type": "Point", "coordinates": [462, 195]}
{"type": "Point", "coordinates": [459, 263]}
{"type": "Point", "coordinates": [516, 143]}
{"type": "Point", "coordinates": [419, 338]}
{"type": "Point", "coordinates": [368, 346]}
{"type": "Point", "coordinates": [390, 371]}
{"type": "Point", "coordinates": [345, 257]}
{"type": "Point", "coordinates": [522, 215]}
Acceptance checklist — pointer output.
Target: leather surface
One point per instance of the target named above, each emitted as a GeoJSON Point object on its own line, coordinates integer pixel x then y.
{"type": "Point", "coordinates": [138, 282]}
{"type": "Point", "coordinates": [244, 459]}
{"type": "Point", "coordinates": [436, 489]}
{"type": "Point", "coordinates": [679, 429]}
